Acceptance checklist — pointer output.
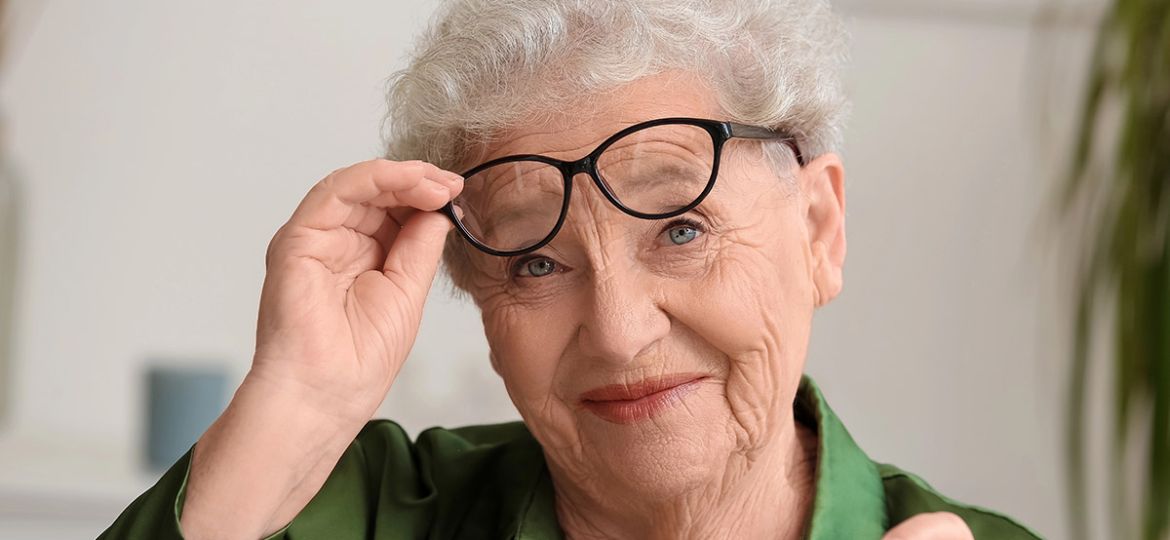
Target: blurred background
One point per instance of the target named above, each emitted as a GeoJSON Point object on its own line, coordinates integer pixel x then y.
{"type": "Point", "coordinates": [151, 149]}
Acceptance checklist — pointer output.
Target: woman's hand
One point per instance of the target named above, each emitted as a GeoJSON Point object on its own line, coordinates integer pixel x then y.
{"type": "Point", "coordinates": [347, 278]}
{"type": "Point", "coordinates": [340, 308]}
{"type": "Point", "coordinates": [932, 526]}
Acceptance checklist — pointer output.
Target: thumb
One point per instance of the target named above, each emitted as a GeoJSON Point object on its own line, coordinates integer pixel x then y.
{"type": "Point", "coordinates": [414, 256]}
{"type": "Point", "coordinates": [931, 526]}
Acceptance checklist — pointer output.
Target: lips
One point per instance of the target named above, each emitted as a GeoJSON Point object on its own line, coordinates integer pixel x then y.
{"type": "Point", "coordinates": [628, 403]}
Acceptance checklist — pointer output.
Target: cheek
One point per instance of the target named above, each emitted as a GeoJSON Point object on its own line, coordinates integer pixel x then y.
{"type": "Point", "coordinates": [757, 296]}
{"type": "Point", "coordinates": [527, 345]}
{"type": "Point", "coordinates": [756, 307]}
{"type": "Point", "coordinates": [524, 349]}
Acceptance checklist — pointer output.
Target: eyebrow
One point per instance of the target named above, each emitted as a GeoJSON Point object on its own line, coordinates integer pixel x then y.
{"type": "Point", "coordinates": [512, 211]}
{"type": "Point", "coordinates": [663, 174]}
{"type": "Point", "coordinates": [500, 219]}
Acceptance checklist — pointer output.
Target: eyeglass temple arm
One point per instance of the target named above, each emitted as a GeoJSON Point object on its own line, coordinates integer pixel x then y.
{"type": "Point", "coordinates": [756, 132]}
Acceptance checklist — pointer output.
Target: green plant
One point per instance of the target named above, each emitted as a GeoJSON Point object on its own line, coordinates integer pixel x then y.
{"type": "Point", "coordinates": [1118, 192]}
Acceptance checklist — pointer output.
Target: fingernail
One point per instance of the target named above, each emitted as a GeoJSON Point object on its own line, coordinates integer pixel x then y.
{"type": "Point", "coordinates": [458, 211]}
{"type": "Point", "coordinates": [440, 181]}
{"type": "Point", "coordinates": [438, 187]}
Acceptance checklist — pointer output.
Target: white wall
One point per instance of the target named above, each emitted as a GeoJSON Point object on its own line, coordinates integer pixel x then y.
{"type": "Point", "coordinates": [161, 145]}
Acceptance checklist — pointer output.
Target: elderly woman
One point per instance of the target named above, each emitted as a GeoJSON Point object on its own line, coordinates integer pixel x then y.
{"type": "Point", "coordinates": [650, 211]}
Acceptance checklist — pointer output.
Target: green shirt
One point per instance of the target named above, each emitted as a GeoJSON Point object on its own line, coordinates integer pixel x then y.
{"type": "Point", "coordinates": [492, 482]}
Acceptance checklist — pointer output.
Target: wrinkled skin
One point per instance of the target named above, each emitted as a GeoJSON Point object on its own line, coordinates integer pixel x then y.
{"type": "Point", "coordinates": [625, 303]}
{"type": "Point", "coordinates": [348, 274]}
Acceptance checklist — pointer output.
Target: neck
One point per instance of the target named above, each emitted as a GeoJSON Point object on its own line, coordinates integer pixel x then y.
{"type": "Point", "coordinates": [767, 493]}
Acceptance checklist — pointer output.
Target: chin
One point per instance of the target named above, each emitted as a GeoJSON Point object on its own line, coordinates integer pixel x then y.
{"type": "Point", "coordinates": [664, 456]}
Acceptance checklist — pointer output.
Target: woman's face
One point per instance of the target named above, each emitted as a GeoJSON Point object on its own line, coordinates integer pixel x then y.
{"type": "Point", "coordinates": [710, 315]}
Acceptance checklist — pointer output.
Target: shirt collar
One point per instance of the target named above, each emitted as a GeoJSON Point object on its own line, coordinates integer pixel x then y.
{"type": "Point", "coordinates": [849, 501]}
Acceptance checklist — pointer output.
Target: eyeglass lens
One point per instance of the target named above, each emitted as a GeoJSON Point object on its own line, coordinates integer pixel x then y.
{"type": "Point", "coordinates": [656, 170]}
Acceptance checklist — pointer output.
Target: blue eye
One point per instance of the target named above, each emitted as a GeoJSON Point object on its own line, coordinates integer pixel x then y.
{"type": "Point", "coordinates": [683, 233]}
{"type": "Point", "coordinates": [537, 267]}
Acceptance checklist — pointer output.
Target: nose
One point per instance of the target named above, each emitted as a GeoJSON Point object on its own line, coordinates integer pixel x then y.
{"type": "Point", "coordinates": [622, 319]}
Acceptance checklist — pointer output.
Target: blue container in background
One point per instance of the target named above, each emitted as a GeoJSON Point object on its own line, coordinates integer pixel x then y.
{"type": "Point", "coordinates": [181, 403]}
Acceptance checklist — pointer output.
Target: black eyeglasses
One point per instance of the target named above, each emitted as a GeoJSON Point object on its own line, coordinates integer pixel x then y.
{"type": "Point", "coordinates": [653, 170]}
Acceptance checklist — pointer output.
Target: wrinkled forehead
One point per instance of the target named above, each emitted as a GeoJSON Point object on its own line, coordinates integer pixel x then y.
{"type": "Point", "coordinates": [571, 130]}
{"type": "Point", "coordinates": [637, 160]}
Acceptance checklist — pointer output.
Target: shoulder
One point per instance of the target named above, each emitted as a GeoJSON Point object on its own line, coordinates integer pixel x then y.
{"type": "Point", "coordinates": [381, 436]}
{"type": "Point", "coordinates": [466, 482]}
{"type": "Point", "coordinates": [907, 495]}
{"type": "Point", "coordinates": [469, 482]}
{"type": "Point", "coordinates": [385, 442]}
{"type": "Point", "coordinates": [444, 459]}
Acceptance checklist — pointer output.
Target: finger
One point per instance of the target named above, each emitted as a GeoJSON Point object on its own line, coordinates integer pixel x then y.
{"type": "Point", "coordinates": [400, 215]}
{"type": "Point", "coordinates": [376, 182]}
{"type": "Point", "coordinates": [931, 526]}
{"type": "Point", "coordinates": [427, 195]}
{"type": "Point", "coordinates": [366, 219]}
{"type": "Point", "coordinates": [388, 231]}
{"type": "Point", "coordinates": [415, 253]}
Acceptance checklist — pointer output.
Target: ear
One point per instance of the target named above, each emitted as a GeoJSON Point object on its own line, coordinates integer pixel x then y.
{"type": "Point", "coordinates": [822, 183]}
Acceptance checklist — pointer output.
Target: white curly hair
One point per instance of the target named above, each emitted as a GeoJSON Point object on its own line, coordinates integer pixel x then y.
{"type": "Point", "coordinates": [484, 66]}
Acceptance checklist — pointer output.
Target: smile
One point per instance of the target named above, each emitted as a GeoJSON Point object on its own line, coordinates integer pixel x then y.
{"type": "Point", "coordinates": [628, 403]}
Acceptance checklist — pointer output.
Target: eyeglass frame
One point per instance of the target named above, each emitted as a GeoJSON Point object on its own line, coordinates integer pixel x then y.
{"type": "Point", "coordinates": [720, 131]}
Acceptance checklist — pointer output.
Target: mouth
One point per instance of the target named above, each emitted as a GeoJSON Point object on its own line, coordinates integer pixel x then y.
{"type": "Point", "coordinates": [629, 403]}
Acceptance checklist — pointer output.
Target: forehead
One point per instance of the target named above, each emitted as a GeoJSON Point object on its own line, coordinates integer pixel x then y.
{"type": "Point", "coordinates": [574, 130]}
